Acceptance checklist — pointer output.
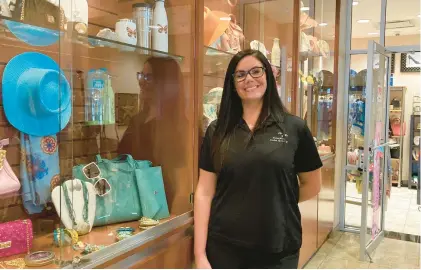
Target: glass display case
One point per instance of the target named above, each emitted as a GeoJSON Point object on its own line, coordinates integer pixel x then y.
{"type": "Point", "coordinates": [316, 71]}
{"type": "Point", "coordinates": [97, 128]}
{"type": "Point", "coordinates": [230, 26]}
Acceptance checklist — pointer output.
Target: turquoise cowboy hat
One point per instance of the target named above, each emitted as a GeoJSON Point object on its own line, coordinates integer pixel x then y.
{"type": "Point", "coordinates": [33, 35]}
{"type": "Point", "coordinates": [36, 95]}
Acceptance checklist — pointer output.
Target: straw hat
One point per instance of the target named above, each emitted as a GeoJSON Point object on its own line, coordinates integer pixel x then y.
{"type": "Point", "coordinates": [214, 26]}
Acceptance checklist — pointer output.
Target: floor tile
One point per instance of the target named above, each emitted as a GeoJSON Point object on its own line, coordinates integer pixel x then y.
{"type": "Point", "coordinates": [334, 263]}
{"type": "Point", "coordinates": [316, 261]}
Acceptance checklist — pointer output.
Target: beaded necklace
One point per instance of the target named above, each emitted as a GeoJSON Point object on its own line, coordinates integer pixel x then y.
{"type": "Point", "coordinates": [80, 228]}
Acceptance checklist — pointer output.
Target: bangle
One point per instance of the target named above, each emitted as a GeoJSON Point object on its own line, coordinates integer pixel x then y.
{"type": "Point", "coordinates": [73, 235]}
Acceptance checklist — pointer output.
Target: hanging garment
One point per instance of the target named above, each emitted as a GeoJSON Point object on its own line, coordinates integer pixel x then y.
{"type": "Point", "coordinates": [39, 170]}
{"type": "Point", "coordinates": [357, 115]}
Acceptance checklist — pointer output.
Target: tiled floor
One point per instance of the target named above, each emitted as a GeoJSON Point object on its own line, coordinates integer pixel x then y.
{"type": "Point", "coordinates": [341, 250]}
{"type": "Point", "coordinates": [402, 213]}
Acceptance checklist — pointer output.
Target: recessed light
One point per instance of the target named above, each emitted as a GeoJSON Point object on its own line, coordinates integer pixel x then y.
{"type": "Point", "coordinates": [355, 3]}
{"type": "Point", "coordinates": [305, 8]}
{"type": "Point", "coordinates": [373, 34]}
{"type": "Point", "coordinates": [363, 21]}
{"type": "Point", "coordinates": [322, 24]}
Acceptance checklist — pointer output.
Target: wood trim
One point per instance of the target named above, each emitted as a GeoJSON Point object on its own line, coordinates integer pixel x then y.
{"type": "Point", "coordinates": [109, 263]}
{"type": "Point", "coordinates": [295, 56]}
{"type": "Point", "coordinates": [198, 84]}
{"type": "Point", "coordinates": [336, 73]}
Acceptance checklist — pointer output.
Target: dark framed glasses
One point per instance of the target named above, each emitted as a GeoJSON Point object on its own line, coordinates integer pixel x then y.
{"type": "Point", "coordinates": [101, 185]}
{"type": "Point", "coordinates": [255, 72]}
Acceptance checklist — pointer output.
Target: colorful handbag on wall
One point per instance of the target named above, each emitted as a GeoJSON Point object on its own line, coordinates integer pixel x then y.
{"type": "Point", "coordinates": [15, 237]}
{"type": "Point", "coordinates": [9, 183]}
{"type": "Point", "coordinates": [122, 202]}
{"type": "Point", "coordinates": [153, 199]}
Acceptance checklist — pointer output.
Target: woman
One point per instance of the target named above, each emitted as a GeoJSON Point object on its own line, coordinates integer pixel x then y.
{"type": "Point", "coordinates": [161, 122]}
{"type": "Point", "coordinates": [246, 203]}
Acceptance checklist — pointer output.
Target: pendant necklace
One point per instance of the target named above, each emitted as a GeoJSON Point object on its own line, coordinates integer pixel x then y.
{"type": "Point", "coordinates": [81, 227]}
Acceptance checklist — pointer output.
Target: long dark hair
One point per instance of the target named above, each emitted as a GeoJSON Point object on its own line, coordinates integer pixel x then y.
{"type": "Point", "coordinates": [167, 84]}
{"type": "Point", "coordinates": [231, 108]}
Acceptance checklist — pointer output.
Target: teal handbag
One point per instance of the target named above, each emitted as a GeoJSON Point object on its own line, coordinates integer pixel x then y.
{"type": "Point", "coordinates": [122, 203]}
{"type": "Point", "coordinates": [152, 193]}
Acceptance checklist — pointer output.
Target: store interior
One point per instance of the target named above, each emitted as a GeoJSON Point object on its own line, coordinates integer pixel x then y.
{"type": "Point", "coordinates": [402, 191]}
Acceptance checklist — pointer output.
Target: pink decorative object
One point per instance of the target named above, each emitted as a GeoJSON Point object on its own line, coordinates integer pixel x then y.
{"type": "Point", "coordinates": [15, 237]}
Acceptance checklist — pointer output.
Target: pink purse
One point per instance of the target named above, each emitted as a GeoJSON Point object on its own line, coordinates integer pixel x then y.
{"type": "Point", "coordinates": [15, 237]}
{"type": "Point", "coordinates": [9, 183]}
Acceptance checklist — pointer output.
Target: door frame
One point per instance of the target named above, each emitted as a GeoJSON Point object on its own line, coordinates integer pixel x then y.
{"type": "Point", "coordinates": [373, 49]}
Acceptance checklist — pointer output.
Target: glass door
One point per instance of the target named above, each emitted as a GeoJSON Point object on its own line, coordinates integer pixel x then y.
{"type": "Point", "coordinates": [375, 149]}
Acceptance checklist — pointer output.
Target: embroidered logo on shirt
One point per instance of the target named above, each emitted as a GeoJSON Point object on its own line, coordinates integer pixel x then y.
{"type": "Point", "coordinates": [280, 138]}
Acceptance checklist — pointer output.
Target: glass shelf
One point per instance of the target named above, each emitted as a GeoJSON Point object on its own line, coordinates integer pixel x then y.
{"type": "Point", "coordinates": [88, 41]}
{"type": "Point", "coordinates": [216, 61]}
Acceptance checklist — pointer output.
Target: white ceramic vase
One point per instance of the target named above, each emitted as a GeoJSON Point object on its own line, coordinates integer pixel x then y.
{"type": "Point", "coordinates": [276, 53]}
{"type": "Point", "coordinates": [160, 27]}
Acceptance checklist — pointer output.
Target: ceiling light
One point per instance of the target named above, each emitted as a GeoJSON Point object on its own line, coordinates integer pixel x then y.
{"type": "Point", "coordinates": [322, 24]}
{"type": "Point", "coordinates": [373, 34]}
{"type": "Point", "coordinates": [355, 3]}
{"type": "Point", "coordinates": [305, 8]}
{"type": "Point", "coordinates": [363, 21]}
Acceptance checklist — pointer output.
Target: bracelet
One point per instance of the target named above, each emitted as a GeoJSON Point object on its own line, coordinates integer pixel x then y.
{"type": "Point", "coordinates": [73, 235]}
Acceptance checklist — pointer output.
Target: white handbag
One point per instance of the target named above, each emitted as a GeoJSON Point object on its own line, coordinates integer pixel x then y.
{"type": "Point", "coordinates": [9, 183]}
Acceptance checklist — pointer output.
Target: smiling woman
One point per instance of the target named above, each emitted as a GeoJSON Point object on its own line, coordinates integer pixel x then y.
{"type": "Point", "coordinates": [249, 162]}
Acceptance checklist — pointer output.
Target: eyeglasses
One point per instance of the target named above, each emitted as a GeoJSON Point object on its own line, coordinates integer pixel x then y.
{"type": "Point", "coordinates": [144, 77]}
{"type": "Point", "coordinates": [101, 185]}
{"type": "Point", "coordinates": [255, 72]}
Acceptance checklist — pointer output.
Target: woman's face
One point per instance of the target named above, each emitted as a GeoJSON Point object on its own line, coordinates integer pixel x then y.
{"type": "Point", "coordinates": [250, 79]}
{"type": "Point", "coordinates": [145, 79]}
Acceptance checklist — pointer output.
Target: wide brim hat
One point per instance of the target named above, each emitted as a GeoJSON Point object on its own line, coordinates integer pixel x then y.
{"type": "Point", "coordinates": [215, 24]}
{"type": "Point", "coordinates": [33, 35]}
{"type": "Point", "coordinates": [36, 95]}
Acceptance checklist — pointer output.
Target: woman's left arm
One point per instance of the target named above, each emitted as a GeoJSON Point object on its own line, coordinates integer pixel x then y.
{"type": "Point", "coordinates": [310, 184]}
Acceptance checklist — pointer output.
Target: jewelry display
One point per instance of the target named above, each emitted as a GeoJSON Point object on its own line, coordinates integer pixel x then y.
{"type": "Point", "coordinates": [89, 248]}
{"type": "Point", "coordinates": [39, 258]}
{"type": "Point", "coordinates": [147, 223]}
{"type": "Point", "coordinates": [81, 228]}
{"type": "Point", "coordinates": [75, 203]}
{"type": "Point", "coordinates": [18, 263]}
{"type": "Point", "coordinates": [124, 233]}
{"type": "Point", "coordinates": [78, 246]}
{"type": "Point", "coordinates": [65, 237]}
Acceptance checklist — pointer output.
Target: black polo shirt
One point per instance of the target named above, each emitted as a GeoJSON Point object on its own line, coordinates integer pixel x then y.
{"type": "Point", "coordinates": [256, 198]}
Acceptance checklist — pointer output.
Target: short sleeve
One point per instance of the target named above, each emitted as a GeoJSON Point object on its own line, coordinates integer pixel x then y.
{"type": "Point", "coordinates": [205, 158]}
{"type": "Point", "coordinates": [307, 157]}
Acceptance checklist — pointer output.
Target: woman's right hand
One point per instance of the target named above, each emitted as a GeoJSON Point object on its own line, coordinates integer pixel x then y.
{"type": "Point", "coordinates": [202, 262]}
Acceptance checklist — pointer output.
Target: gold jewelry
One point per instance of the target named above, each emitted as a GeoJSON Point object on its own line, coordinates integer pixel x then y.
{"type": "Point", "coordinates": [19, 263]}
{"type": "Point", "coordinates": [39, 258]}
{"type": "Point", "coordinates": [73, 234]}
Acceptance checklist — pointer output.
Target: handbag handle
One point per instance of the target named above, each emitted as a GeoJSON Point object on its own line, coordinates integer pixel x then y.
{"type": "Point", "coordinates": [4, 142]}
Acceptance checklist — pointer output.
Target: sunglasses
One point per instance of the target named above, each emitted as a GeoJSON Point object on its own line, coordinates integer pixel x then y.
{"type": "Point", "coordinates": [101, 185]}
